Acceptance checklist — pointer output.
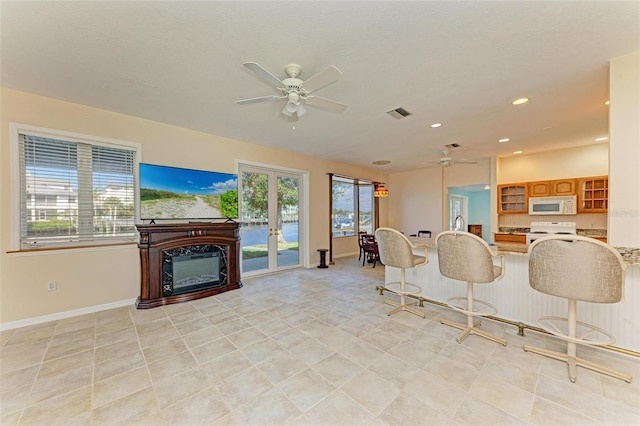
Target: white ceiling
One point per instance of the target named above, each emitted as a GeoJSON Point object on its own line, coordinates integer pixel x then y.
{"type": "Point", "coordinates": [455, 62]}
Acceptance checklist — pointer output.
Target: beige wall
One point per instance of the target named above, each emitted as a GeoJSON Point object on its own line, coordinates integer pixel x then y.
{"type": "Point", "coordinates": [624, 134]}
{"type": "Point", "coordinates": [418, 200]}
{"type": "Point", "coordinates": [415, 200]}
{"type": "Point", "coordinates": [589, 160]}
{"type": "Point", "coordinates": [468, 174]}
{"type": "Point", "coordinates": [87, 278]}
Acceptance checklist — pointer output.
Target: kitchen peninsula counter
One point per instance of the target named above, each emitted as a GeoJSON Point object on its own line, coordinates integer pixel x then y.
{"type": "Point", "coordinates": [631, 256]}
{"type": "Point", "coordinates": [517, 302]}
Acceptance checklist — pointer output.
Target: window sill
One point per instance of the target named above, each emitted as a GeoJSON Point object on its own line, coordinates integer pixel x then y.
{"type": "Point", "coordinates": [70, 249]}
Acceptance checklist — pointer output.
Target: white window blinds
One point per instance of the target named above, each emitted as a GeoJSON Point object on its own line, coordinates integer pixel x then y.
{"type": "Point", "coordinates": [75, 192]}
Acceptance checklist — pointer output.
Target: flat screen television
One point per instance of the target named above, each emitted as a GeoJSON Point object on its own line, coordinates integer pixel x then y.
{"type": "Point", "coordinates": [175, 193]}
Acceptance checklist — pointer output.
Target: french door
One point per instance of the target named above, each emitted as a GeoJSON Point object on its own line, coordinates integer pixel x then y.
{"type": "Point", "coordinates": [457, 207]}
{"type": "Point", "coordinates": [270, 208]}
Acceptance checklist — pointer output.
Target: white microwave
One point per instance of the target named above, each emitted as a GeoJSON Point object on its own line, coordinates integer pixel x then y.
{"type": "Point", "coordinates": [553, 205]}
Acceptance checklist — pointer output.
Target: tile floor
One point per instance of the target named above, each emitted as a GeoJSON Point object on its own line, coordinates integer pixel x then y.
{"type": "Point", "coordinates": [304, 347]}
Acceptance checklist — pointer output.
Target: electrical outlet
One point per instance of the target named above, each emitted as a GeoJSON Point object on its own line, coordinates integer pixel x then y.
{"type": "Point", "coordinates": [51, 285]}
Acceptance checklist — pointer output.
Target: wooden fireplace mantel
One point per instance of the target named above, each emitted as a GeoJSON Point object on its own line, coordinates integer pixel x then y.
{"type": "Point", "coordinates": [155, 239]}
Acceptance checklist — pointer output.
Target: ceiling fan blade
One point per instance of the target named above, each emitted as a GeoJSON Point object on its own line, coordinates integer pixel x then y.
{"type": "Point", "coordinates": [322, 79]}
{"type": "Point", "coordinates": [464, 162]}
{"type": "Point", "coordinates": [326, 104]}
{"type": "Point", "coordinates": [260, 99]}
{"type": "Point", "coordinates": [263, 74]}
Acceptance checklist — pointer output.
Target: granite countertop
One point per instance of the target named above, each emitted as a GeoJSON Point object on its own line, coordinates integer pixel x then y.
{"type": "Point", "coordinates": [592, 232]}
{"type": "Point", "coordinates": [509, 230]}
{"type": "Point", "coordinates": [630, 255]}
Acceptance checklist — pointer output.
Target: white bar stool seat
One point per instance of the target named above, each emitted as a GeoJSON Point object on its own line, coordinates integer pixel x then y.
{"type": "Point", "coordinates": [466, 257]}
{"type": "Point", "coordinates": [576, 268]}
{"type": "Point", "coordinates": [396, 250]}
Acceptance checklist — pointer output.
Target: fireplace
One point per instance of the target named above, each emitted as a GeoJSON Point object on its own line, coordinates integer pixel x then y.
{"type": "Point", "coordinates": [181, 262]}
{"type": "Point", "coordinates": [191, 268]}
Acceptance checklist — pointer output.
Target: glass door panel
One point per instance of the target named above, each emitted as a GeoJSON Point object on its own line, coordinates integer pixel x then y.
{"type": "Point", "coordinates": [288, 229]}
{"type": "Point", "coordinates": [270, 212]}
{"type": "Point", "coordinates": [457, 207]}
{"type": "Point", "coordinates": [255, 218]}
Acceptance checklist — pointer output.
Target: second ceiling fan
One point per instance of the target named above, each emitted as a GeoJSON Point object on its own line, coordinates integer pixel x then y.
{"type": "Point", "coordinates": [446, 160]}
{"type": "Point", "coordinates": [295, 91]}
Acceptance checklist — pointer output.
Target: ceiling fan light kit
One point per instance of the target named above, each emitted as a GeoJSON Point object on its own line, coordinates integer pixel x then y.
{"type": "Point", "coordinates": [294, 106]}
{"type": "Point", "coordinates": [297, 92]}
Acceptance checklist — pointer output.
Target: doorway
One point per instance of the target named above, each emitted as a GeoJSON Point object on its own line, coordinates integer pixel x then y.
{"type": "Point", "coordinates": [271, 210]}
{"type": "Point", "coordinates": [458, 205]}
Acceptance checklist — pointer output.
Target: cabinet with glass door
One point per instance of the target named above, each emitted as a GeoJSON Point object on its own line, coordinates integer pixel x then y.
{"type": "Point", "coordinates": [593, 194]}
{"type": "Point", "coordinates": [512, 198]}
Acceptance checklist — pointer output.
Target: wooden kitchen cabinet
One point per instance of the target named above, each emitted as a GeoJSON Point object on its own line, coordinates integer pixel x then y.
{"type": "Point", "coordinates": [510, 238]}
{"type": "Point", "coordinates": [476, 230]}
{"type": "Point", "coordinates": [593, 194]}
{"type": "Point", "coordinates": [512, 198]}
{"type": "Point", "coordinates": [549, 188]}
{"type": "Point", "coordinates": [540, 189]}
{"type": "Point", "coordinates": [563, 187]}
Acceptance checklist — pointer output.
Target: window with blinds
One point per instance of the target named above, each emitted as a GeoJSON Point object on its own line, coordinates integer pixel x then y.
{"type": "Point", "coordinates": [75, 192]}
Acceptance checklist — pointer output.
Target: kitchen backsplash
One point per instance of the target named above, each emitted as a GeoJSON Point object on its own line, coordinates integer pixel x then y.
{"type": "Point", "coordinates": [584, 221]}
{"type": "Point", "coordinates": [590, 232]}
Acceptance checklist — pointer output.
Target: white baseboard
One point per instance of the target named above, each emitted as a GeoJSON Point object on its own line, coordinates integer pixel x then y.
{"type": "Point", "coordinates": [339, 256]}
{"type": "Point", "coordinates": [62, 315]}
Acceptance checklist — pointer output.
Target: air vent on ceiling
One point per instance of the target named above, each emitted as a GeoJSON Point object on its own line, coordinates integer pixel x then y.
{"type": "Point", "coordinates": [399, 113]}
{"type": "Point", "coordinates": [453, 145]}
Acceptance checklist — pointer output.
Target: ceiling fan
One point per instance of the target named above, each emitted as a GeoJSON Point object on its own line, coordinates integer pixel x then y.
{"type": "Point", "coordinates": [446, 160]}
{"type": "Point", "coordinates": [297, 92]}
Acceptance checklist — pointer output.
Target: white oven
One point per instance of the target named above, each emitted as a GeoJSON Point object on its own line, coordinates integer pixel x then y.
{"type": "Point", "coordinates": [531, 237]}
{"type": "Point", "coordinates": [553, 205]}
{"type": "Point", "coordinates": [544, 229]}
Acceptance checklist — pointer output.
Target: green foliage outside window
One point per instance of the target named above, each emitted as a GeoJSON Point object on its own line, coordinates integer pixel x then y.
{"type": "Point", "coordinates": [229, 204]}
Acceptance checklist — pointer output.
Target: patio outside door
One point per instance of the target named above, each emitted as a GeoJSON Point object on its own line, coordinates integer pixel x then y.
{"type": "Point", "coordinates": [270, 212]}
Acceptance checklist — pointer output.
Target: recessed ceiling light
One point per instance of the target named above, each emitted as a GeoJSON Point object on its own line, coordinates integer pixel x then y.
{"type": "Point", "coordinates": [520, 101]}
{"type": "Point", "coordinates": [503, 140]}
{"type": "Point", "coordinates": [604, 138]}
{"type": "Point", "coordinates": [434, 125]}
{"type": "Point", "coordinates": [517, 152]}
{"type": "Point", "coordinates": [606, 102]}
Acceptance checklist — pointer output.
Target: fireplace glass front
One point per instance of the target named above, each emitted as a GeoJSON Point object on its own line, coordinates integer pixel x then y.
{"type": "Point", "coordinates": [193, 268]}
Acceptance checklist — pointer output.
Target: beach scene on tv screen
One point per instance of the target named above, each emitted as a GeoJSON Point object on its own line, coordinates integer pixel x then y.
{"type": "Point", "coordinates": [176, 193]}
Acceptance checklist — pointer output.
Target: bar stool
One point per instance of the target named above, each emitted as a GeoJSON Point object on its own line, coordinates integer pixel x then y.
{"type": "Point", "coordinates": [577, 269]}
{"type": "Point", "coordinates": [396, 250]}
{"type": "Point", "coordinates": [466, 257]}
